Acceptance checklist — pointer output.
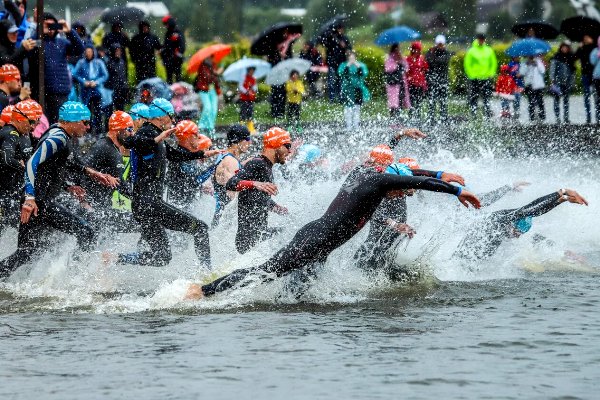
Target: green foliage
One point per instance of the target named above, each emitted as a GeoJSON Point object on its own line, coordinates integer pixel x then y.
{"type": "Point", "coordinates": [319, 11]}
{"type": "Point", "coordinates": [460, 15]}
{"type": "Point", "coordinates": [373, 57]}
{"type": "Point", "coordinates": [500, 24]}
{"type": "Point", "coordinates": [410, 18]}
{"type": "Point", "coordinates": [532, 9]}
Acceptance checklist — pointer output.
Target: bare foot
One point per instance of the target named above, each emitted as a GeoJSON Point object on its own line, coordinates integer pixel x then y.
{"type": "Point", "coordinates": [194, 292]}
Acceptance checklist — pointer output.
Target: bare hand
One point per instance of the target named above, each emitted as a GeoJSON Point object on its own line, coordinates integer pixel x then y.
{"type": "Point", "coordinates": [164, 135]}
{"type": "Point", "coordinates": [450, 177]}
{"type": "Point", "coordinates": [574, 197]}
{"type": "Point", "coordinates": [93, 84]}
{"type": "Point", "coordinates": [28, 44]}
{"type": "Point", "coordinates": [194, 292]}
{"type": "Point", "coordinates": [519, 186]}
{"type": "Point", "coordinates": [267, 187]}
{"type": "Point", "coordinates": [405, 229]}
{"type": "Point", "coordinates": [78, 192]}
{"type": "Point", "coordinates": [412, 133]}
{"type": "Point", "coordinates": [103, 179]}
{"type": "Point", "coordinates": [25, 93]}
{"type": "Point", "coordinates": [28, 208]}
{"type": "Point", "coordinates": [469, 199]}
{"type": "Point", "coordinates": [280, 210]}
{"type": "Point", "coordinates": [211, 153]}
{"type": "Point", "coordinates": [65, 27]}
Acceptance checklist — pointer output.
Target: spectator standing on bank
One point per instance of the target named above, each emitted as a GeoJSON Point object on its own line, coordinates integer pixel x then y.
{"type": "Point", "coordinates": [207, 85]}
{"type": "Point", "coordinates": [311, 53]}
{"type": "Point", "coordinates": [142, 49]}
{"type": "Point", "coordinates": [533, 71]}
{"type": "Point", "coordinates": [395, 81]}
{"type": "Point", "coordinates": [57, 76]}
{"type": "Point", "coordinates": [480, 65]}
{"type": "Point", "coordinates": [16, 13]}
{"type": "Point", "coordinates": [10, 53]}
{"type": "Point", "coordinates": [294, 91]}
{"type": "Point", "coordinates": [416, 78]}
{"type": "Point", "coordinates": [505, 89]}
{"type": "Point", "coordinates": [173, 50]}
{"type": "Point", "coordinates": [438, 59]}
{"type": "Point", "coordinates": [562, 75]}
{"type": "Point", "coordinates": [595, 61]}
{"type": "Point", "coordinates": [117, 78]}
{"type": "Point", "coordinates": [515, 67]}
{"type": "Point", "coordinates": [116, 35]}
{"type": "Point", "coordinates": [91, 74]}
{"type": "Point", "coordinates": [248, 89]}
{"type": "Point", "coordinates": [336, 46]}
{"type": "Point", "coordinates": [583, 55]}
{"type": "Point", "coordinates": [354, 91]}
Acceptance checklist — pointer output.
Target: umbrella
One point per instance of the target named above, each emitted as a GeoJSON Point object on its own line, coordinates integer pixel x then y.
{"type": "Point", "coordinates": [541, 30]}
{"type": "Point", "coordinates": [281, 72]}
{"type": "Point", "coordinates": [237, 71]}
{"type": "Point", "coordinates": [396, 35]}
{"type": "Point", "coordinates": [218, 51]}
{"type": "Point", "coordinates": [576, 27]}
{"type": "Point", "coordinates": [328, 27]}
{"type": "Point", "coordinates": [528, 47]}
{"type": "Point", "coordinates": [157, 88]}
{"type": "Point", "coordinates": [123, 15]}
{"type": "Point", "coordinates": [271, 37]}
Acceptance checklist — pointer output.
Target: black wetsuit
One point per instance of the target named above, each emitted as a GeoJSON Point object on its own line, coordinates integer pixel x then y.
{"type": "Point", "coordinates": [359, 197]}
{"type": "Point", "coordinates": [148, 167]}
{"type": "Point", "coordinates": [253, 205]}
{"type": "Point", "coordinates": [484, 238]}
{"type": "Point", "coordinates": [105, 157]}
{"type": "Point", "coordinates": [221, 197]}
{"type": "Point", "coordinates": [45, 178]}
{"type": "Point", "coordinates": [14, 152]}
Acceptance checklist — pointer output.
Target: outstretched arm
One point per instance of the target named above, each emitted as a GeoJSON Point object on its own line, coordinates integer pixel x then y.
{"type": "Point", "coordinates": [546, 203]}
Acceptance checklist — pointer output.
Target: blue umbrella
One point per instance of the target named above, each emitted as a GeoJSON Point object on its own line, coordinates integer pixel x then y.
{"type": "Point", "coordinates": [396, 35]}
{"type": "Point", "coordinates": [237, 71]}
{"type": "Point", "coordinates": [528, 47]}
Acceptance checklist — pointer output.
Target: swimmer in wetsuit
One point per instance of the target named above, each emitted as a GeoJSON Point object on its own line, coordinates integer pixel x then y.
{"type": "Point", "coordinates": [45, 178]}
{"type": "Point", "coordinates": [227, 165]}
{"type": "Point", "coordinates": [149, 156]}
{"type": "Point", "coordinates": [255, 184]}
{"type": "Point", "coordinates": [359, 197]}
{"type": "Point", "coordinates": [484, 238]}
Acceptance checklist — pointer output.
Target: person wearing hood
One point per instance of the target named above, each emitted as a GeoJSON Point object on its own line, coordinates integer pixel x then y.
{"type": "Point", "coordinates": [395, 80]}
{"type": "Point", "coordinates": [91, 73]}
{"type": "Point", "coordinates": [142, 49]}
{"type": "Point", "coordinates": [533, 71]}
{"type": "Point", "coordinates": [438, 59]}
{"type": "Point", "coordinates": [56, 71]}
{"type": "Point", "coordinates": [117, 35]}
{"type": "Point", "coordinates": [15, 11]}
{"type": "Point", "coordinates": [85, 38]}
{"type": "Point", "coordinates": [583, 55]}
{"type": "Point", "coordinates": [595, 61]}
{"type": "Point", "coordinates": [354, 90]}
{"type": "Point", "coordinates": [480, 65]}
{"type": "Point", "coordinates": [416, 78]}
{"type": "Point", "coordinates": [117, 81]}
{"type": "Point", "coordinates": [173, 50]}
{"type": "Point", "coordinates": [562, 74]}
{"type": "Point", "coordinates": [207, 85]}
{"type": "Point", "coordinates": [10, 53]}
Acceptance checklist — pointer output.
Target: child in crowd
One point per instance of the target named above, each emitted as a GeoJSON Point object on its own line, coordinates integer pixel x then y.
{"type": "Point", "coordinates": [533, 71]}
{"type": "Point", "coordinates": [505, 89]}
{"type": "Point", "coordinates": [295, 90]}
{"type": "Point", "coordinates": [248, 89]}
{"type": "Point", "coordinates": [515, 65]}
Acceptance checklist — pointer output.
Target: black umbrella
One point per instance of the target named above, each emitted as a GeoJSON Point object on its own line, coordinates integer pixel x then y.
{"type": "Point", "coordinates": [576, 27]}
{"type": "Point", "coordinates": [541, 30]}
{"type": "Point", "coordinates": [268, 39]}
{"type": "Point", "coordinates": [328, 27]}
{"type": "Point", "coordinates": [123, 15]}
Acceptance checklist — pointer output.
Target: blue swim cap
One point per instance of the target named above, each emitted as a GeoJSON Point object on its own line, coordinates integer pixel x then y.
{"type": "Point", "coordinates": [523, 225]}
{"type": "Point", "coordinates": [160, 108]}
{"type": "Point", "coordinates": [74, 111]}
{"type": "Point", "coordinates": [138, 111]}
{"type": "Point", "coordinates": [310, 153]}
{"type": "Point", "coordinates": [399, 169]}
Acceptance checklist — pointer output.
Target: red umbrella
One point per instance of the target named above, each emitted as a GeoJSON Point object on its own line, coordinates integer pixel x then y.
{"type": "Point", "coordinates": [218, 51]}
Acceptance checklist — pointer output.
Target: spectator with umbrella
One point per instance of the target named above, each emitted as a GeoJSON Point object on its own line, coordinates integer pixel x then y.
{"type": "Point", "coordinates": [57, 81]}
{"type": "Point", "coordinates": [91, 74]}
{"type": "Point", "coordinates": [480, 65]}
{"type": "Point", "coordinates": [311, 53]}
{"type": "Point", "coordinates": [117, 78]}
{"type": "Point", "coordinates": [562, 75]}
{"type": "Point", "coordinates": [535, 29]}
{"type": "Point", "coordinates": [354, 92]}
{"type": "Point", "coordinates": [117, 35]}
{"type": "Point", "coordinates": [336, 45]}
{"type": "Point", "coordinates": [533, 71]}
{"type": "Point", "coordinates": [438, 59]}
{"type": "Point", "coordinates": [173, 49]}
{"type": "Point", "coordinates": [142, 50]}
{"type": "Point", "coordinates": [395, 81]}
{"type": "Point", "coordinates": [595, 61]}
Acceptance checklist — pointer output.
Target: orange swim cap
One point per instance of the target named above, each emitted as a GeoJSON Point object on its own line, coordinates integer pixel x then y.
{"type": "Point", "coordinates": [276, 137]}
{"type": "Point", "coordinates": [6, 115]}
{"type": "Point", "coordinates": [382, 155]}
{"type": "Point", "coordinates": [27, 110]}
{"type": "Point", "coordinates": [185, 129]}
{"type": "Point", "coordinates": [9, 72]}
{"type": "Point", "coordinates": [409, 162]}
{"type": "Point", "coordinates": [120, 120]}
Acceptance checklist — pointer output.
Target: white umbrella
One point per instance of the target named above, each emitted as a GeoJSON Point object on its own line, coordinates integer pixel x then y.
{"type": "Point", "coordinates": [281, 72]}
{"type": "Point", "coordinates": [237, 71]}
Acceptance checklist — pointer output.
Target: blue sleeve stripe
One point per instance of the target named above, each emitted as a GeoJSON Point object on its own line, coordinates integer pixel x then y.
{"type": "Point", "coordinates": [47, 149]}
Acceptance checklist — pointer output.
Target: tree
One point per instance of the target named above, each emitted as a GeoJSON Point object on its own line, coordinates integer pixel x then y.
{"type": "Point", "coordinates": [460, 15]}
{"type": "Point", "coordinates": [319, 11]}
{"type": "Point", "coordinates": [500, 24]}
{"type": "Point", "coordinates": [532, 9]}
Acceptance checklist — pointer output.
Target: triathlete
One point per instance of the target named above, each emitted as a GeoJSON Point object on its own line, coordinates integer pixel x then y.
{"type": "Point", "coordinates": [484, 238]}
{"type": "Point", "coordinates": [227, 165]}
{"type": "Point", "coordinates": [139, 114]}
{"type": "Point", "coordinates": [359, 197]}
{"type": "Point", "coordinates": [255, 182]}
{"type": "Point", "coordinates": [149, 156]}
{"type": "Point", "coordinates": [45, 178]}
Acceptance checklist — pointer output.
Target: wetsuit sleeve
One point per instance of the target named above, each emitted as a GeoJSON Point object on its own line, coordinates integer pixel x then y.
{"type": "Point", "coordinates": [425, 172]}
{"type": "Point", "coordinates": [388, 182]}
{"type": "Point", "coordinates": [490, 198]}
{"type": "Point", "coordinates": [244, 178]}
{"type": "Point", "coordinates": [142, 145]}
{"type": "Point", "coordinates": [179, 154]}
{"type": "Point", "coordinates": [8, 154]}
{"type": "Point", "coordinates": [538, 207]}
{"type": "Point", "coordinates": [47, 149]}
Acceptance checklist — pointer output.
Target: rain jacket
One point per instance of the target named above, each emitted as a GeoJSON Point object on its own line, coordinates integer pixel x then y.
{"type": "Point", "coordinates": [417, 68]}
{"type": "Point", "coordinates": [533, 75]}
{"type": "Point", "coordinates": [354, 89]}
{"type": "Point", "coordinates": [480, 62]}
{"type": "Point", "coordinates": [595, 61]}
{"type": "Point", "coordinates": [90, 70]}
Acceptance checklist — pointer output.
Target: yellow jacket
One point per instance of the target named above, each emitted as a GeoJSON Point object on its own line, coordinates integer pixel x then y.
{"type": "Point", "coordinates": [294, 90]}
